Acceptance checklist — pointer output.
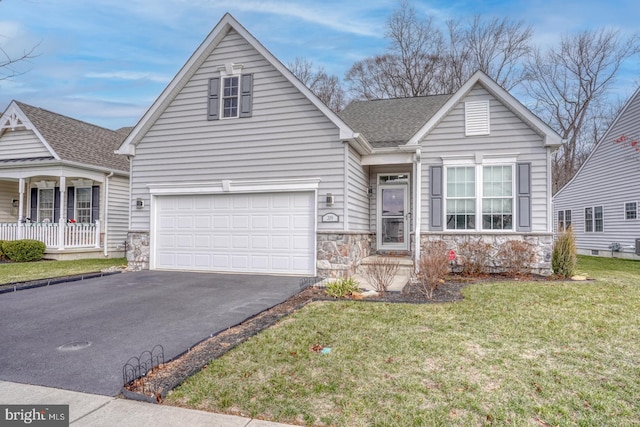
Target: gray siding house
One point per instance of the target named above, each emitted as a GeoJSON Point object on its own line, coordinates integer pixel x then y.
{"type": "Point", "coordinates": [602, 201]}
{"type": "Point", "coordinates": [239, 167]}
{"type": "Point", "coordinates": [61, 183]}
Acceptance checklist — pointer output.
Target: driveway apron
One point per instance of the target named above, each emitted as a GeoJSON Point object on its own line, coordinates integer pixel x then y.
{"type": "Point", "coordinates": [78, 335]}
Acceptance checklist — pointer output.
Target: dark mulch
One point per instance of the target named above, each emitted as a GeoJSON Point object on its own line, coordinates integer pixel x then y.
{"type": "Point", "coordinates": [155, 385]}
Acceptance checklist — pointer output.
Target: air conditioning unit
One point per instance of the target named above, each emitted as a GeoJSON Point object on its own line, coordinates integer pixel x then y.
{"type": "Point", "coordinates": [637, 246]}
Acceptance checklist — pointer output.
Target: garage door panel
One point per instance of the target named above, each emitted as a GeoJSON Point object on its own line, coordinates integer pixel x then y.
{"type": "Point", "coordinates": [258, 233]}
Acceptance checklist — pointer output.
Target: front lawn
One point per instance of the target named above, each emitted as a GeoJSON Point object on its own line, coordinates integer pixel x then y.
{"type": "Point", "coordinates": [511, 353]}
{"type": "Point", "coordinates": [24, 271]}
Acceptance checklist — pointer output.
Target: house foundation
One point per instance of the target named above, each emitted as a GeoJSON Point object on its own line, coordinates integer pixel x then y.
{"type": "Point", "coordinates": [138, 250]}
{"type": "Point", "coordinates": [340, 253]}
{"type": "Point", "coordinates": [541, 242]}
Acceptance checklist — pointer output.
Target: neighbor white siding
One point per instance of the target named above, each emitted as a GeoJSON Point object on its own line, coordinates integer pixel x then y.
{"type": "Point", "coordinates": [609, 178]}
{"type": "Point", "coordinates": [509, 136]}
{"type": "Point", "coordinates": [8, 193]}
{"type": "Point", "coordinates": [287, 137]}
{"type": "Point", "coordinates": [21, 144]}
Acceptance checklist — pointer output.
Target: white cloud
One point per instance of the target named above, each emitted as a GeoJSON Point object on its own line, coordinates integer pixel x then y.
{"type": "Point", "coordinates": [130, 75]}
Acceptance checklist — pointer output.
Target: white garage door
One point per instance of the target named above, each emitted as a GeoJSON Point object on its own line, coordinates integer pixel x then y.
{"type": "Point", "coordinates": [255, 233]}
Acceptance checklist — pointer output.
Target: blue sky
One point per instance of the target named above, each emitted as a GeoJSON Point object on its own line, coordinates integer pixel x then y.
{"type": "Point", "coordinates": [105, 61]}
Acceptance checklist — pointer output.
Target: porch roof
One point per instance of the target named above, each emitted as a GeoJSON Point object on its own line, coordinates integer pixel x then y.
{"type": "Point", "coordinates": [392, 122]}
{"type": "Point", "coordinates": [77, 141]}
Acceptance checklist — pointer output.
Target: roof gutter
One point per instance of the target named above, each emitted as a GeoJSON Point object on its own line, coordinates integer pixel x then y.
{"type": "Point", "coordinates": [359, 142]}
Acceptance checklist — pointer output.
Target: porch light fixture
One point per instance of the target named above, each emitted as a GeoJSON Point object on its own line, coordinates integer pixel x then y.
{"type": "Point", "coordinates": [329, 199]}
{"type": "Point", "coordinates": [139, 203]}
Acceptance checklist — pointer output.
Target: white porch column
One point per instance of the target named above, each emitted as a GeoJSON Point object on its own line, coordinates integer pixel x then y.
{"type": "Point", "coordinates": [63, 212]}
{"type": "Point", "coordinates": [418, 201]}
{"type": "Point", "coordinates": [21, 209]}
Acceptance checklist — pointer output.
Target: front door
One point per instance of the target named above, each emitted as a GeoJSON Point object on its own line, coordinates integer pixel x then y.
{"type": "Point", "coordinates": [393, 225]}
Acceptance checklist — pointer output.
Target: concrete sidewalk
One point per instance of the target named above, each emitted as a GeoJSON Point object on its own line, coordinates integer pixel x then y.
{"type": "Point", "coordinates": [92, 410]}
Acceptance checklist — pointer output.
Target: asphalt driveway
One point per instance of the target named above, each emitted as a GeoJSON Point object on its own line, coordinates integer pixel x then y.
{"type": "Point", "coordinates": [121, 316]}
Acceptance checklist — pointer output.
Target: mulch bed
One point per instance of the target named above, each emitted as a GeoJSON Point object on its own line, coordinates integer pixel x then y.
{"type": "Point", "coordinates": [157, 382]}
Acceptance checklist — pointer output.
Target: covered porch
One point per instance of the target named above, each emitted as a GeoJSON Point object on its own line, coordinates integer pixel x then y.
{"type": "Point", "coordinates": [57, 205]}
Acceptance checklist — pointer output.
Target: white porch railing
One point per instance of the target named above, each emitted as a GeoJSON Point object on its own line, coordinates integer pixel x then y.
{"type": "Point", "coordinates": [73, 235]}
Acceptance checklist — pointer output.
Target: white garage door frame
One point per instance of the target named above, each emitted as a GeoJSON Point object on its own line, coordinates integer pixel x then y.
{"type": "Point", "coordinates": [230, 187]}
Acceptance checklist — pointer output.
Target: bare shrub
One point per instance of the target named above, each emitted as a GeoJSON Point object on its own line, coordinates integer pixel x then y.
{"type": "Point", "coordinates": [475, 255]}
{"type": "Point", "coordinates": [516, 257]}
{"type": "Point", "coordinates": [380, 274]}
{"type": "Point", "coordinates": [433, 267]}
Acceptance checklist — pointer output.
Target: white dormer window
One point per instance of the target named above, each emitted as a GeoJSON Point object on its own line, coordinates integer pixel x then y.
{"type": "Point", "coordinates": [230, 94]}
{"type": "Point", "coordinates": [476, 118]}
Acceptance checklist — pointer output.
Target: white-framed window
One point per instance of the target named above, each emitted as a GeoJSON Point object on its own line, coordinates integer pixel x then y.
{"type": "Point", "coordinates": [488, 189]}
{"type": "Point", "coordinates": [564, 220]}
{"type": "Point", "coordinates": [594, 219]}
{"type": "Point", "coordinates": [497, 197]}
{"type": "Point", "coordinates": [631, 210]}
{"type": "Point", "coordinates": [460, 206]}
{"type": "Point", "coordinates": [45, 204]}
{"type": "Point", "coordinates": [230, 96]}
{"type": "Point", "coordinates": [83, 205]}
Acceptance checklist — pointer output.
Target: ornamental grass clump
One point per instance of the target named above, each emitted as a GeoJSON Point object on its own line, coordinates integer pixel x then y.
{"type": "Point", "coordinates": [341, 288]}
{"type": "Point", "coordinates": [564, 258]}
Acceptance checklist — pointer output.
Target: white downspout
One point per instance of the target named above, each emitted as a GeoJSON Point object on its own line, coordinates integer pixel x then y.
{"type": "Point", "coordinates": [418, 201]}
{"type": "Point", "coordinates": [106, 214]}
{"type": "Point", "coordinates": [345, 216]}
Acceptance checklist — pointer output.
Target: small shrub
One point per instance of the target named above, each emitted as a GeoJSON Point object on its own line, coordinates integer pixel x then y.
{"type": "Point", "coordinates": [23, 250]}
{"type": "Point", "coordinates": [341, 287]}
{"type": "Point", "coordinates": [381, 273]}
{"type": "Point", "coordinates": [516, 257]}
{"type": "Point", "coordinates": [2, 256]}
{"type": "Point", "coordinates": [564, 258]}
{"type": "Point", "coordinates": [433, 267]}
{"type": "Point", "coordinates": [475, 257]}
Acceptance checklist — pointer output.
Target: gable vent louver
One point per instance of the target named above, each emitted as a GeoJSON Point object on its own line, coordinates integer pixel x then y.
{"type": "Point", "coordinates": [476, 118]}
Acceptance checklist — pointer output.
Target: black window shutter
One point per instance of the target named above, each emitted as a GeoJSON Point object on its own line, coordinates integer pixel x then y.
{"type": "Point", "coordinates": [246, 95]}
{"type": "Point", "coordinates": [71, 193]}
{"type": "Point", "coordinates": [523, 203]}
{"type": "Point", "coordinates": [56, 204]}
{"type": "Point", "coordinates": [436, 198]}
{"type": "Point", "coordinates": [213, 109]}
{"type": "Point", "coordinates": [34, 204]}
{"type": "Point", "coordinates": [95, 203]}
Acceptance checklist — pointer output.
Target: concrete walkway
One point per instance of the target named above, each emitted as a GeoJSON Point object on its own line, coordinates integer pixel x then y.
{"type": "Point", "coordinates": [92, 410]}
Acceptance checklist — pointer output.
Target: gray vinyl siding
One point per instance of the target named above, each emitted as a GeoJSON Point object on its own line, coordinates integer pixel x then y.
{"type": "Point", "coordinates": [287, 137]}
{"type": "Point", "coordinates": [21, 144]}
{"type": "Point", "coordinates": [509, 136]}
{"type": "Point", "coordinates": [609, 178]}
{"type": "Point", "coordinates": [8, 193]}
{"type": "Point", "coordinates": [118, 212]}
{"type": "Point", "coordinates": [358, 199]}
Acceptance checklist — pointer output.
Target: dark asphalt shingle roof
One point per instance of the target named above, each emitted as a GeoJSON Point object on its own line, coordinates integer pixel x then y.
{"type": "Point", "coordinates": [78, 141]}
{"type": "Point", "coordinates": [391, 122]}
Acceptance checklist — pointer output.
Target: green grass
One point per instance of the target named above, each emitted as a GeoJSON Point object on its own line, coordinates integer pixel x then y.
{"type": "Point", "coordinates": [25, 271]}
{"type": "Point", "coordinates": [511, 353]}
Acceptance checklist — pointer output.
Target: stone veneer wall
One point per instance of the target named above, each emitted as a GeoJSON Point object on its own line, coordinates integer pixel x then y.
{"type": "Point", "coordinates": [339, 253]}
{"type": "Point", "coordinates": [138, 250]}
{"type": "Point", "coordinates": [542, 242]}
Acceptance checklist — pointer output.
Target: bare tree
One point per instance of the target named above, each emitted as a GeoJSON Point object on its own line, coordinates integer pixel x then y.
{"type": "Point", "coordinates": [569, 85]}
{"type": "Point", "coordinates": [411, 64]}
{"type": "Point", "coordinates": [421, 60]}
{"type": "Point", "coordinates": [326, 87]}
{"type": "Point", "coordinates": [9, 63]}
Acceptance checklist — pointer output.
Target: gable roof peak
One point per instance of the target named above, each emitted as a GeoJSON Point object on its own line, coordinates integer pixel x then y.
{"type": "Point", "coordinates": [216, 35]}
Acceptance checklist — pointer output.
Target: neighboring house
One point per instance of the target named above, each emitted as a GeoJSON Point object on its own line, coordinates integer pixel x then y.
{"type": "Point", "coordinates": [238, 167]}
{"type": "Point", "coordinates": [601, 203]}
{"type": "Point", "coordinates": [62, 183]}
